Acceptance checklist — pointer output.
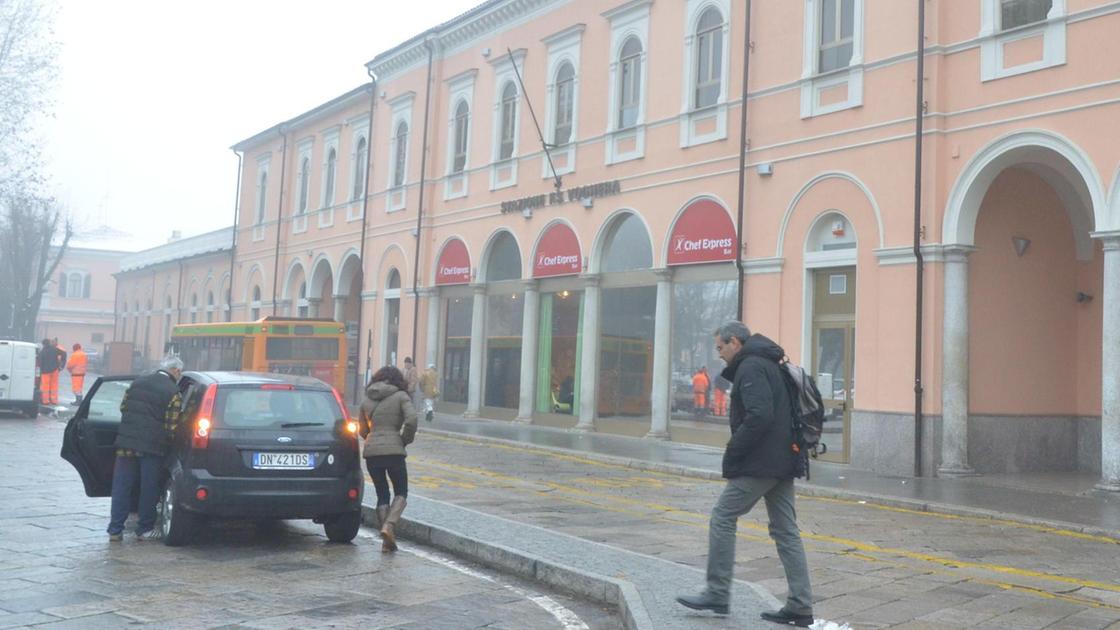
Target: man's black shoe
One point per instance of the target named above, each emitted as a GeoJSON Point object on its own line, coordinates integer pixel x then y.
{"type": "Point", "coordinates": [701, 602]}
{"type": "Point", "coordinates": [787, 618]}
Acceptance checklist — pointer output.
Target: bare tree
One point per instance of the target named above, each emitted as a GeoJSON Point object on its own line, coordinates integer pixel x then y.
{"type": "Point", "coordinates": [27, 69]}
{"type": "Point", "coordinates": [29, 228]}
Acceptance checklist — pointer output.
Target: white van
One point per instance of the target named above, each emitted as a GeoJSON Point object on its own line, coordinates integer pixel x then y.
{"type": "Point", "coordinates": [17, 377]}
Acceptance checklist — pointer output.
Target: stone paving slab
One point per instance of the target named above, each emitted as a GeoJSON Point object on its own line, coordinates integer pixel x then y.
{"type": "Point", "coordinates": [1096, 512]}
{"type": "Point", "coordinates": [644, 587]}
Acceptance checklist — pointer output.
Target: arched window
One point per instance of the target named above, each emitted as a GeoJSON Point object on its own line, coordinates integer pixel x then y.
{"type": "Point", "coordinates": [709, 58]}
{"type": "Point", "coordinates": [400, 151]}
{"type": "Point", "coordinates": [565, 104]}
{"type": "Point", "coordinates": [504, 261]}
{"type": "Point", "coordinates": [627, 247]}
{"type": "Point", "coordinates": [630, 82]}
{"type": "Point", "coordinates": [359, 170]}
{"type": "Point", "coordinates": [462, 121]}
{"type": "Point", "coordinates": [328, 185]}
{"type": "Point", "coordinates": [394, 279]}
{"type": "Point", "coordinates": [229, 305]}
{"type": "Point", "coordinates": [87, 281]}
{"type": "Point", "coordinates": [262, 190]}
{"type": "Point", "coordinates": [167, 318]}
{"type": "Point", "coordinates": [509, 120]}
{"type": "Point", "coordinates": [194, 308]}
{"type": "Point", "coordinates": [135, 323]}
{"type": "Point", "coordinates": [255, 305]}
{"type": "Point", "coordinates": [62, 285]}
{"type": "Point", "coordinates": [304, 177]}
{"type": "Point", "coordinates": [303, 306]}
{"type": "Point", "coordinates": [210, 307]}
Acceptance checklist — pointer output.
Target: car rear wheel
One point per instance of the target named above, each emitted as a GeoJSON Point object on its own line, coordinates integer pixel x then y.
{"type": "Point", "coordinates": [344, 527]}
{"type": "Point", "coordinates": [176, 522]}
{"type": "Point", "coordinates": [31, 410]}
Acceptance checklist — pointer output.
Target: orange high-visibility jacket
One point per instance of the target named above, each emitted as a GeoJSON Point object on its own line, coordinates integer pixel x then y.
{"type": "Point", "coordinates": [700, 383]}
{"type": "Point", "coordinates": [77, 363]}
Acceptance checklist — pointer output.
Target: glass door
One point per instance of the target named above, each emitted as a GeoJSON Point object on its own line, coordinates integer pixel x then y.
{"type": "Point", "coordinates": [834, 342]}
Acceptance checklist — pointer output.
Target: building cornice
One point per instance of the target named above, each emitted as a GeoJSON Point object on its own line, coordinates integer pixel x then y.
{"type": "Point", "coordinates": [359, 94]}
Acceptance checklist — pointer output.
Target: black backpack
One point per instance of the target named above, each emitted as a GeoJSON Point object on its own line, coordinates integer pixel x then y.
{"type": "Point", "coordinates": [808, 415]}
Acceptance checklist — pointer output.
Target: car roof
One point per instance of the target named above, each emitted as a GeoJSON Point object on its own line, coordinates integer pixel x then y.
{"type": "Point", "coordinates": [257, 378]}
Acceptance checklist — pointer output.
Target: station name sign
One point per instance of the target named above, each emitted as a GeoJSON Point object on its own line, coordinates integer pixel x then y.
{"type": "Point", "coordinates": [556, 198]}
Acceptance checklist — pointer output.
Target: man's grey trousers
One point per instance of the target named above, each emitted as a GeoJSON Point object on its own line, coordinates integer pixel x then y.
{"type": "Point", "coordinates": [739, 496]}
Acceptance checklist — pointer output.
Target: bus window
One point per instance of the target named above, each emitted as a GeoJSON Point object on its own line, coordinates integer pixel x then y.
{"type": "Point", "coordinates": [301, 349]}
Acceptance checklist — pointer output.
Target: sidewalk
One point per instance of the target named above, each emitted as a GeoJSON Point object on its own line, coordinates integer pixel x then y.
{"type": "Point", "coordinates": [1060, 500]}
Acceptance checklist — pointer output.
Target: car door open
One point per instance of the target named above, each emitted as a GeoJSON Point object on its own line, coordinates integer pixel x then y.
{"type": "Point", "coordinates": [88, 442]}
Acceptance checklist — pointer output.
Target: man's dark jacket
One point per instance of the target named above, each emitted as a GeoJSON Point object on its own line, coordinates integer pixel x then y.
{"type": "Point", "coordinates": [49, 360]}
{"type": "Point", "coordinates": [144, 412]}
{"type": "Point", "coordinates": [761, 416]}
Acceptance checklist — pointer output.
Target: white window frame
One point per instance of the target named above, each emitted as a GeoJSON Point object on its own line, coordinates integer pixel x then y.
{"type": "Point", "coordinates": [814, 83]}
{"type": "Point", "coordinates": [460, 90]}
{"type": "Point", "coordinates": [628, 20]}
{"type": "Point", "coordinates": [563, 47]}
{"type": "Point", "coordinates": [401, 108]}
{"type": "Point", "coordinates": [503, 75]}
{"type": "Point", "coordinates": [992, 40]}
{"type": "Point", "coordinates": [260, 205]}
{"type": "Point", "coordinates": [690, 115]}
{"type": "Point", "coordinates": [303, 186]}
{"type": "Point", "coordinates": [328, 198]}
{"type": "Point", "coordinates": [356, 187]}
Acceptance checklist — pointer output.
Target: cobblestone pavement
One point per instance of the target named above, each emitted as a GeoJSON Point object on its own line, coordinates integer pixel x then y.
{"type": "Point", "coordinates": [871, 566]}
{"type": "Point", "coordinates": [58, 569]}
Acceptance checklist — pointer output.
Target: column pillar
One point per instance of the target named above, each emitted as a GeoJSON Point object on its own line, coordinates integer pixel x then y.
{"type": "Point", "coordinates": [340, 308]}
{"type": "Point", "coordinates": [529, 328]}
{"type": "Point", "coordinates": [954, 369]}
{"type": "Point", "coordinates": [313, 306]}
{"type": "Point", "coordinates": [662, 351]}
{"type": "Point", "coordinates": [1110, 366]}
{"type": "Point", "coordinates": [589, 355]}
{"type": "Point", "coordinates": [474, 378]}
{"type": "Point", "coordinates": [432, 345]}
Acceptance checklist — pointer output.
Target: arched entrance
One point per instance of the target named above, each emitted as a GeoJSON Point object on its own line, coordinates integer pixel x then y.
{"type": "Point", "coordinates": [505, 303]}
{"type": "Point", "coordinates": [320, 291]}
{"type": "Point", "coordinates": [391, 322]}
{"type": "Point", "coordinates": [453, 273]}
{"type": "Point", "coordinates": [347, 306]}
{"type": "Point", "coordinates": [1022, 322]}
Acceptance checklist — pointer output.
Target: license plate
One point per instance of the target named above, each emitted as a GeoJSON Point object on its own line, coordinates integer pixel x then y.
{"type": "Point", "coordinates": [291, 461]}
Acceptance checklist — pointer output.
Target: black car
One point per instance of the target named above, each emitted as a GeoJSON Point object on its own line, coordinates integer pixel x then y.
{"type": "Point", "coordinates": [249, 445]}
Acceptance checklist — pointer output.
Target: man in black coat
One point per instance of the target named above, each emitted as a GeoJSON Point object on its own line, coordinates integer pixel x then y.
{"type": "Point", "coordinates": [149, 418]}
{"type": "Point", "coordinates": [758, 463]}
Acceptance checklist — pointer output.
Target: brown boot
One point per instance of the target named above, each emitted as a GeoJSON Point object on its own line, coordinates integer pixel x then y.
{"type": "Point", "coordinates": [388, 537]}
{"type": "Point", "coordinates": [382, 514]}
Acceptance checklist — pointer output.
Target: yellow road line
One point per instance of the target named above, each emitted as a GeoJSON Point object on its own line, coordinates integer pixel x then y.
{"type": "Point", "coordinates": [847, 543]}
{"type": "Point", "coordinates": [852, 502]}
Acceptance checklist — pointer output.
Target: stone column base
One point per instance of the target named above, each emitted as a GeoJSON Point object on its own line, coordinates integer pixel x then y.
{"type": "Point", "coordinates": [584, 428]}
{"type": "Point", "coordinates": [1108, 486]}
{"type": "Point", "coordinates": [657, 435]}
{"type": "Point", "coordinates": [470, 415]}
{"type": "Point", "coordinates": [523, 419]}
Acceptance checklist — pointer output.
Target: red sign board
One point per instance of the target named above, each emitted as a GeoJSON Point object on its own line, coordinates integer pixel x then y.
{"type": "Point", "coordinates": [454, 264]}
{"type": "Point", "coordinates": [703, 233]}
{"type": "Point", "coordinates": [558, 253]}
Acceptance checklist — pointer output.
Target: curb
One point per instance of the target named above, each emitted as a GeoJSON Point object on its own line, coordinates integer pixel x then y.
{"type": "Point", "coordinates": [601, 589]}
{"type": "Point", "coordinates": [806, 489]}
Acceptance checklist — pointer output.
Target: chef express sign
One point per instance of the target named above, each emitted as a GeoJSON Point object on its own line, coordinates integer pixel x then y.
{"type": "Point", "coordinates": [703, 233]}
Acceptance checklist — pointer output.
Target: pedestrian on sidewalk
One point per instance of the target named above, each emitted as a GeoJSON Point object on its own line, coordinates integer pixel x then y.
{"type": "Point", "coordinates": [49, 367]}
{"type": "Point", "coordinates": [388, 424]}
{"type": "Point", "coordinates": [758, 463]}
{"type": "Point", "coordinates": [77, 365]}
{"type": "Point", "coordinates": [149, 418]}
{"type": "Point", "coordinates": [429, 387]}
{"type": "Point", "coordinates": [412, 379]}
{"type": "Point", "coordinates": [700, 385]}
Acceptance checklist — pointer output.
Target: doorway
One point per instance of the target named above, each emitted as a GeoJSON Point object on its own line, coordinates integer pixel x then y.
{"type": "Point", "coordinates": [834, 338]}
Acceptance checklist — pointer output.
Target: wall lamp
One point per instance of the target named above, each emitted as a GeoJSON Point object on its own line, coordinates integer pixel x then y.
{"type": "Point", "coordinates": [1084, 298]}
{"type": "Point", "coordinates": [1021, 244]}
{"type": "Point", "coordinates": [587, 202]}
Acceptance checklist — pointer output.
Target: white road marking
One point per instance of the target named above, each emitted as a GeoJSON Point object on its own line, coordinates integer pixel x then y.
{"type": "Point", "coordinates": [568, 619]}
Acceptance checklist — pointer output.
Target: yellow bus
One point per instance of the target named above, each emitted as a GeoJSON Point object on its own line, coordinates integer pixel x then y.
{"type": "Point", "coordinates": [282, 345]}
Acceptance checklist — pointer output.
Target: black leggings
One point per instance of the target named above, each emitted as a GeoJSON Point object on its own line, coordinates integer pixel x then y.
{"type": "Point", "coordinates": [398, 474]}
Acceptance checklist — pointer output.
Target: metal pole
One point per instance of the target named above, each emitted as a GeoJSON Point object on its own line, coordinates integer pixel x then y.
{"type": "Point", "coordinates": [357, 393]}
{"type": "Point", "coordinates": [279, 217]}
{"type": "Point", "coordinates": [919, 266]}
{"type": "Point", "coordinates": [233, 243]}
{"type": "Point", "coordinates": [420, 204]}
{"type": "Point", "coordinates": [742, 160]}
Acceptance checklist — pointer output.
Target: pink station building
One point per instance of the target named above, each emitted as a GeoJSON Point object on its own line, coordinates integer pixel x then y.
{"type": "Point", "coordinates": [581, 288]}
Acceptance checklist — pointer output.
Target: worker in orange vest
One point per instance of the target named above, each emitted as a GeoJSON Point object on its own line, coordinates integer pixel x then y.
{"type": "Point", "coordinates": [719, 399]}
{"type": "Point", "coordinates": [77, 367]}
{"type": "Point", "coordinates": [49, 367]}
{"type": "Point", "coordinates": [700, 385]}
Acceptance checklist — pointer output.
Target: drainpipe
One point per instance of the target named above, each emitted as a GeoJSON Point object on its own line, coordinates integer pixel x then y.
{"type": "Point", "coordinates": [357, 393]}
{"type": "Point", "coordinates": [279, 217]}
{"type": "Point", "coordinates": [743, 160]}
{"type": "Point", "coordinates": [179, 297]}
{"type": "Point", "coordinates": [233, 243]}
{"type": "Point", "coordinates": [920, 263]}
{"type": "Point", "coordinates": [420, 205]}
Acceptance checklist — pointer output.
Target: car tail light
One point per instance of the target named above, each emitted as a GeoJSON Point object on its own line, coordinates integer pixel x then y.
{"type": "Point", "coordinates": [202, 494]}
{"type": "Point", "coordinates": [345, 412]}
{"type": "Point", "coordinates": [353, 493]}
{"type": "Point", "coordinates": [201, 437]}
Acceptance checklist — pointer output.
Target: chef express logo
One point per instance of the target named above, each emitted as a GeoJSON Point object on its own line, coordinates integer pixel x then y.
{"type": "Point", "coordinates": [557, 261]}
{"type": "Point", "coordinates": [454, 271]}
{"type": "Point", "coordinates": [684, 245]}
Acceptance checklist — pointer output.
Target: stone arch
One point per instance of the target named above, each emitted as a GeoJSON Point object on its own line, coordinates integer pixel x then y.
{"type": "Point", "coordinates": [1054, 158]}
{"type": "Point", "coordinates": [349, 267]}
{"type": "Point", "coordinates": [439, 254]}
{"type": "Point", "coordinates": [296, 271]}
{"type": "Point", "coordinates": [488, 250]}
{"type": "Point", "coordinates": [822, 177]}
{"type": "Point", "coordinates": [528, 269]}
{"type": "Point", "coordinates": [255, 278]}
{"type": "Point", "coordinates": [393, 256]}
{"type": "Point", "coordinates": [666, 241]}
{"type": "Point", "coordinates": [606, 230]}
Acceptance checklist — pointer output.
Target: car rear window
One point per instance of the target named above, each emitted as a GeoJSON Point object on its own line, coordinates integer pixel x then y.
{"type": "Point", "coordinates": [105, 406]}
{"type": "Point", "coordinates": [246, 408]}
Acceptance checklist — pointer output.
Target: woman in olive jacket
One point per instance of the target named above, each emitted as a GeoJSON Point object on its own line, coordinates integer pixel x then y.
{"type": "Point", "coordinates": [388, 424]}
